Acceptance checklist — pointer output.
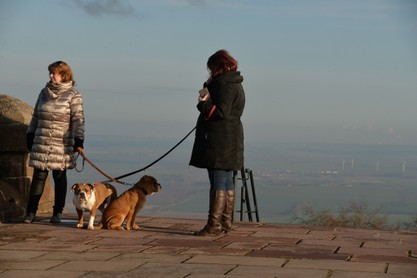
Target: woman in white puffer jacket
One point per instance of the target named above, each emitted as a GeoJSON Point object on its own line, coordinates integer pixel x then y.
{"type": "Point", "coordinates": [54, 135]}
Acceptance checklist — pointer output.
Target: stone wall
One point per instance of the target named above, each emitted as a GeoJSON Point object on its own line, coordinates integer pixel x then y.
{"type": "Point", "coordinates": [15, 175]}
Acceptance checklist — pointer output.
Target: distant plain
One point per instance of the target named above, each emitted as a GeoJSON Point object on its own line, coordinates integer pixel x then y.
{"type": "Point", "coordinates": [287, 176]}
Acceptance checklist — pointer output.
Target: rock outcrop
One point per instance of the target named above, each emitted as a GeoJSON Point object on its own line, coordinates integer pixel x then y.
{"type": "Point", "coordinates": [15, 175]}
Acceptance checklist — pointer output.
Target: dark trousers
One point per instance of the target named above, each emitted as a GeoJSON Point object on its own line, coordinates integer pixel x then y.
{"type": "Point", "coordinates": [38, 185]}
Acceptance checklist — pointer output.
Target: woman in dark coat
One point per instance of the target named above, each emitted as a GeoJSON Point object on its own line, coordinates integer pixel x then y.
{"type": "Point", "coordinates": [218, 145]}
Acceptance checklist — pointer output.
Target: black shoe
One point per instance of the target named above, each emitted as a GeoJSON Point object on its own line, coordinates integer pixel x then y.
{"type": "Point", "coordinates": [29, 218]}
{"type": "Point", "coordinates": [56, 218]}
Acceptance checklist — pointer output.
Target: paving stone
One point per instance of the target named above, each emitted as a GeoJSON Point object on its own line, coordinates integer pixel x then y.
{"type": "Point", "coordinates": [351, 274]}
{"type": "Point", "coordinates": [216, 251]}
{"type": "Point", "coordinates": [213, 276]}
{"type": "Point", "coordinates": [170, 234]}
{"type": "Point", "coordinates": [117, 249]}
{"type": "Point", "coordinates": [188, 242]}
{"type": "Point", "coordinates": [152, 258]}
{"type": "Point", "coordinates": [298, 254]}
{"type": "Point", "coordinates": [165, 250]}
{"type": "Point", "coordinates": [279, 234]}
{"type": "Point", "coordinates": [372, 251]}
{"type": "Point", "coordinates": [121, 242]}
{"type": "Point", "coordinates": [114, 266]}
{"type": "Point", "coordinates": [271, 271]}
{"type": "Point", "coordinates": [41, 273]}
{"type": "Point", "coordinates": [303, 248]}
{"type": "Point", "coordinates": [331, 242]}
{"type": "Point", "coordinates": [321, 234]}
{"type": "Point", "coordinates": [167, 222]}
{"type": "Point", "coordinates": [276, 239]}
{"type": "Point", "coordinates": [113, 274]}
{"type": "Point", "coordinates": [40, 246]}
{"type": "Point", "coordinates": [246, 245]}
{"type": "Point", "coordinates": [394, 268]}
{"type": "Point", "coordinates": [387, 244]}
{"type": "Point", "coordinates": [376, 235]}
{"type": "Point", "coordinates": [180, 270]}
{"type": "Point", "coordinates": [30, 264]}
{"type": "Point", "coordinates": [14, 255]}
{"type": "Point", "coordinates": [87, 256]}
{"type": "Point", "coordinates": [255, 271]}
{"type": "Point", "coordinates": [384, 258]}
{"type": "Point", "coordinates": [336, 265]}
{"type": "Point", "coordinates": [235, 260]}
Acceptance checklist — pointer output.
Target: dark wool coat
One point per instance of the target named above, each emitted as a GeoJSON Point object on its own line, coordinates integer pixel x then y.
{"type": "Point", "coordinates": [219, 135]}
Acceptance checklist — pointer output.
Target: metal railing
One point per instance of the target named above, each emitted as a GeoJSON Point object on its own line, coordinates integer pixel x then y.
{"type": "Point", "coordinates": [246, 177]}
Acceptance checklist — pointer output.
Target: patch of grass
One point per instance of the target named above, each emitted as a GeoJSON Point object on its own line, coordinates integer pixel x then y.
{"type": "Point", "coordinates": [410, 225]}
{"type": "Point", "coordinates": [357, 215]}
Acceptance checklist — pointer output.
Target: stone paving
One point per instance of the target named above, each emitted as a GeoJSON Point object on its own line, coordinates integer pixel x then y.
{"type": "Point", "coordinates": [166, 247]}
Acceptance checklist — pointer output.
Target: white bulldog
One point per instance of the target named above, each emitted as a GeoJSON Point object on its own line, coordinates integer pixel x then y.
{"type": "Point", "coordinates": [88, 197]}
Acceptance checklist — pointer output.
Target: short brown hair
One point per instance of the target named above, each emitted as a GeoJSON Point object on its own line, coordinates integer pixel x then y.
{"type": "Point", "coordinates": [221, 62]}
{"type": "Point", "coordinates": [63, 69]}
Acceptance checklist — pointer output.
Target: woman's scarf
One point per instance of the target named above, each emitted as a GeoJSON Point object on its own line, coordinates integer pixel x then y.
{"type": "Point", "coordinates": [54, 90]}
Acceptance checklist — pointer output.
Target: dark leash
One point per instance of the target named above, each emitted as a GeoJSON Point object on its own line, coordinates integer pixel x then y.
{"type": "Point", "coordinates": [156, 161]}
{"type": "Point", "coordinates": [85, 158]}
{"type": "Point", "coordinates": [117, 179]}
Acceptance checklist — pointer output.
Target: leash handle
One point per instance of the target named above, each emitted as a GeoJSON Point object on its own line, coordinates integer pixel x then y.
{"type": "Point", "coordinates": [82, 166]}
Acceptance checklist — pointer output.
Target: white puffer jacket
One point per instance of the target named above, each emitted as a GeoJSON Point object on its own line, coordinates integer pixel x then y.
{"type": "Point", "coordinates": [57, 119]}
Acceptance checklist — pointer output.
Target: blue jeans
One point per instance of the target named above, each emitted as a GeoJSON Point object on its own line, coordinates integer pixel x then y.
{"type": "Point", "coordinates": [221, 179]}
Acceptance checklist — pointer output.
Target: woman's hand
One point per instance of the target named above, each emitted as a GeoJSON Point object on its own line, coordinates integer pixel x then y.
{"type": "Point", "coordinates": [78, 145]}
{"type": "Point", "coordinates": [204, 98]}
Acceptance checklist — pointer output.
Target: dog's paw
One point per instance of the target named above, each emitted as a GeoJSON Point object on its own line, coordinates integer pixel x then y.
{"type": "Point", "coordinates": [90, 227]}
{"type": "Point", "coordinates": [136, 227]}
{"type": "Point", "coordinates": [80, 226]}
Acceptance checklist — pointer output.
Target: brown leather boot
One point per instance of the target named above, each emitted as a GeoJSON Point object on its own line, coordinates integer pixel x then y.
{"type": "Point", "coordinates": [229, 207]}
{"type": "Point", "coordinates": [216, 206]}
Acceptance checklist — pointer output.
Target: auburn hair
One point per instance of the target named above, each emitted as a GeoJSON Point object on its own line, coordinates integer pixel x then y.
{"type": "Point", "coordinates": [63, 69]}
{"type": "Point", "coordinates": [221, 62]}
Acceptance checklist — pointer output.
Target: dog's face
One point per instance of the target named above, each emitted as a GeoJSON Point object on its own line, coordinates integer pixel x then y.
{"type": "Point", "coordinates": [148, 184]}
{"type": "Point", "coordinates": [83, 191]}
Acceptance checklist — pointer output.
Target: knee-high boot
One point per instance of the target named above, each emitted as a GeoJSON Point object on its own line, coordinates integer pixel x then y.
{"type": "Point", "coordinates": [216, 206]}
{"type": "Point", "coordinates": [229, 207]}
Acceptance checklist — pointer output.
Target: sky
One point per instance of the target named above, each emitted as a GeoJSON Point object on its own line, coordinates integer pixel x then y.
{"type": "Point", "coordinates": [314, 71]}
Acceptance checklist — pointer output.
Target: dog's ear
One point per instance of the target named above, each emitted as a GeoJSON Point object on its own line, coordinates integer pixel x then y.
{"type": "Point", "coordinates": [157, 187]}
{"type": "Point", "coordinates": [149, 179]}
{"type": "Point", "coordinates": [74, 186]}
{"type": "Point", "coordinates": [91, 186]}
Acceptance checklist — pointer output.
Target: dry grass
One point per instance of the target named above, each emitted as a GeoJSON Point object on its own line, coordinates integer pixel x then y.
{"type": "Point", "coordinates": [357, 215]}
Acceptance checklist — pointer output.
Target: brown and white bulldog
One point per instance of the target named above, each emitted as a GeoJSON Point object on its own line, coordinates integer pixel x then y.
{"type": "Point", "coordinates": [128, 204]}
{"type": "Point", "coordinates": [88, 197]}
